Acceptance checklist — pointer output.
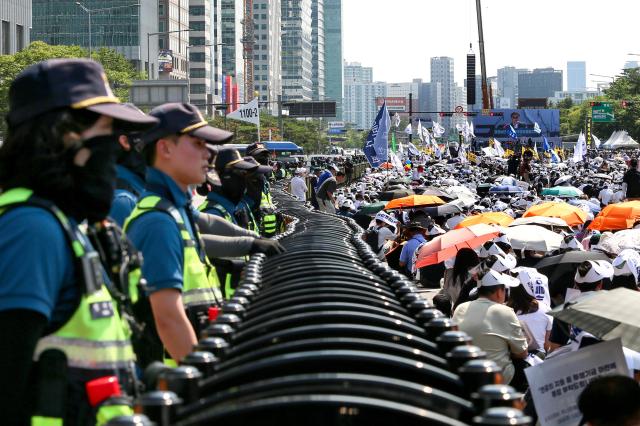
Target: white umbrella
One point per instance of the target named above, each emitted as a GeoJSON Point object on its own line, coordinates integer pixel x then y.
{"type": "Point", "coordinates": [533, 237]}
{"type": "Point", "coordinates": [615, 243]}
{"type": "Point", "coordinates": [547, 222]}
{"type": "Point", "coordinates": [456, 190]}
{"type": "Point", "coordinates": [606, 314]}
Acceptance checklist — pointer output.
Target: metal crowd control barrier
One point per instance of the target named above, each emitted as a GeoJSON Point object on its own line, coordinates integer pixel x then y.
{"type": "Point", "coordinates": [326, 334]}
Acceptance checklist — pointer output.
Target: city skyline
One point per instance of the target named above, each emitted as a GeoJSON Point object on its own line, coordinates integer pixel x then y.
{"type": "Point", "coordinates": [550, 36]}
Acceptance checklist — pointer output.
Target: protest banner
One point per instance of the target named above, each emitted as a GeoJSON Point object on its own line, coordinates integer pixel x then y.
{"type": "Point", "coordinates": [557, 383]}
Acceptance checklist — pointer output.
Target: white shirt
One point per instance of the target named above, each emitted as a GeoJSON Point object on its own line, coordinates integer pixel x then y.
{"type": "Point", "coordinates": [299, 188]}
{"type": "Point", "coordinates": [539, 323]}
{"type": "Point", "coordinates": [617, 197]}
{"type": "Point", "coordinates": [384, 234]}
{"type": "Point", "coordinates": [605, 196]}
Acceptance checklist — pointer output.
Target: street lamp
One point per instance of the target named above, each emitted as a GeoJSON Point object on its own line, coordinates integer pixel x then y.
{"type": "Point", "coordinates": [90, 11]}
{"type": "Point", "coordinates": [148, 49]}
{"type": "Point", "coordinates": [604, 76]}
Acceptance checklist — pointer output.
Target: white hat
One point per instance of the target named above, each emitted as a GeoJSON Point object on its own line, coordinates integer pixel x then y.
{"type": "Point", "coordinates": [492, 278]}
{"type": "Point", "coordinates": [348, 204]}
{"type": "Point", "coordinates": [502, 263]}
{"type": "Point", "coordinates": [489, 248]}
{"type": "Point", "coordinates": [300, 171]}
{"type": "Point", "coordinates": [532, 281]}
{"type": "Point", "coordinates": [627, 263]}
{"type": "Point", "coordinates": [600, 269]}
{"type": "Point", "coordinates": [388, 219]}
{"type": "Point", "coordinates": [571, 243]}
{"type": "Point", "coordinates": [503, 238]}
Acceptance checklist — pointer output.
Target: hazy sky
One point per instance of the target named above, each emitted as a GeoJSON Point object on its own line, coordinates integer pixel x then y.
{"type": "Point", "coordinates": [398, 37]}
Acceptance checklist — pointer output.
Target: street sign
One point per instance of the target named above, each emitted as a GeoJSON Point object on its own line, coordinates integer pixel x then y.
{"type": "Point", "coordinates": [459, 109]}
{"type": "Point", "coordinates": [336, 124]}
{"type": "Point", "coordinates": [602, 113]}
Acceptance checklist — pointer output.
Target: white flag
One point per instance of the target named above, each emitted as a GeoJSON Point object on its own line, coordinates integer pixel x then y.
{"type": "Point", "coordinates": [407, 129]}
{"type": "Point", "coordinates": [436, 151]}
{"type": "Point", "coordinates": [580, 148]}
{"type": "Point", "coordinates": [426, 136]}
{"type": "Point", "coordinates": [536, 128]}
{"type": "Point", "coordinates": [396, 120]}
{"type": "Point", "coordinates": [596, 141]}
{"type": "Point", "coordinates": [397, 164]}
{"type": "Point", "coordinates": [498, 147]}
{"type": "Point", "coordinates": [462, 154]}
{"type": "Point", "coordinates": [419, 130]}
{"type": "Point", "coordinates": [247, 112]}
{"type": "Point", "coordinates": [437, 129]}
{"type": "Point", "coordinates": [470, 126]}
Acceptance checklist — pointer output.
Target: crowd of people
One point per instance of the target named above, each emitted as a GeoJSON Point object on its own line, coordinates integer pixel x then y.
{"type": "Point", "coordinates": [494, 291]}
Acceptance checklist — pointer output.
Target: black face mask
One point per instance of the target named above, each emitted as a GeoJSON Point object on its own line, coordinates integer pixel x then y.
{"type": "Point", "coordinates": [95, 182]}
{"type": "Point", "coordinates": [233, 186]}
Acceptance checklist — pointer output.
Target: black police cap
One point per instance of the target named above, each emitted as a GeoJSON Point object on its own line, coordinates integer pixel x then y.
{"type": "Point", "coordinates": [182, 118]}
{"type": "Point", "coordinates": [71, 83]}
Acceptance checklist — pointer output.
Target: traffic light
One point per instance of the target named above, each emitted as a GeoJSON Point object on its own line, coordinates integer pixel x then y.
{"type": "Point", "coordinates": [446, 114]}
{"type": "Point", "coordinates": [625, 103]}
{"type": "Point", "coordinates": [496, 114]}
{"type": "Point", "coordinates": [595, 103]}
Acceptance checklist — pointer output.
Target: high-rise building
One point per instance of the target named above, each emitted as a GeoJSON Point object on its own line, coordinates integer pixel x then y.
{"type": "Point", "coordinates": [318, 49]}
{"type": "Point", "coordinates": [539, 83]}
{"type": "Point", "coordinates": [477, 106]}
{"type": "Point", "coordinates": [216, 57]}
{"type": "Point", "coordinates": [297, 52]}
{"type": "Point", "coordinates": [173, 21]}
{"type": "Point", "coordinates": [333, 71]}
{"type": "Point", "coordinates": [200, 49]}
{"type": "Point", "coordinates": [123, 26]}
{"type": "Point", "coordinates": [232, 12]}
{"type": "Point", "coordinates": [508, 86]}
{"type": "Point", "coordinates": [360, 93]}
{"type": "Point", "coordinates": [267, 52]}
{"type": "Point", "coordinates": [15, 20]}
{"type": "Point", "coordinates": [576, 76]}
{"type": "Point", "coordinates": [442, 72]}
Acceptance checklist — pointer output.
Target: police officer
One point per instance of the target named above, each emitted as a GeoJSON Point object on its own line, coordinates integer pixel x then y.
{"type": "Point", "coordinates": [245, 216]}
{"type": "Point", "coordinates": [224, 201]}
{"type": "Point", "coordinates": [130, 175]}
{"type": "Point", "coordinates": [164, 226]}
{"type": "Point", "coordinates": [265, 212]}
{"type": "Point", "coordinates": [57, 169]}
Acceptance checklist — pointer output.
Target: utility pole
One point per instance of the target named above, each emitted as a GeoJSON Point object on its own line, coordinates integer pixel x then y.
{"type": "Point", "coordinates": [483, 66]}
{"type": "Point", "coordinates": [410, 115]}
{"type": "Point", "coordinates": [280, 120]}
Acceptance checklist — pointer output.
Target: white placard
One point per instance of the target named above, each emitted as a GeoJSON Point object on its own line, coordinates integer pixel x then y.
{"type": "Point", "coordinates": [557, 383]}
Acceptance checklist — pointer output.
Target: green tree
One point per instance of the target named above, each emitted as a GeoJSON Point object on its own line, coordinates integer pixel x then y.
{"type": "Point", "coordinates": [119, 70]}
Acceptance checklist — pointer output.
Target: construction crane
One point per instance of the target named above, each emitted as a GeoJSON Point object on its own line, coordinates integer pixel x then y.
{"type": "Point", "coordinates": [248, 39]}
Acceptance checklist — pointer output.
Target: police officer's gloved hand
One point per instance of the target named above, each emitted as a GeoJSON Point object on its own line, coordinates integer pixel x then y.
{"type": "Point", "coordinates": [266, 246]}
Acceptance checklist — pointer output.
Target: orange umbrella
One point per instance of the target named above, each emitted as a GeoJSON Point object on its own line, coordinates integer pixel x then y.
{"type": "Point", "coordinates": [490, 218]}
{"type": "Point", "coordinates": [447, 245]}
{"type": "Point", "coordinates": [571, 214]}
{"type": "Point", "coordinates": [386, 165]}
{"type": "Point", "coordinates": [617, 216]}
{"type": "Point", "coordinates": [414, 201]}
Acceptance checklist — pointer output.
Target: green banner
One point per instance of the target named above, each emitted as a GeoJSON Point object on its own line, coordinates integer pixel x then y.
{"type": "Point", "coordinates": [603, 113]}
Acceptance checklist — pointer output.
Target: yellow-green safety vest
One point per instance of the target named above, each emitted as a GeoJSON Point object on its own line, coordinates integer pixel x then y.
{"type": "Point", "coordinates": [208, 205]}
{"type": "Point", "coordinates": [95, 338]}
{"type": "Point", "coordinates": [269, 222]}
{"type": "Point", "coordinates": [200, 284]}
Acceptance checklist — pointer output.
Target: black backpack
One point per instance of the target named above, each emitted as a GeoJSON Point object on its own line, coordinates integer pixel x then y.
{"type": "Point", "coordinates": [371, 238]}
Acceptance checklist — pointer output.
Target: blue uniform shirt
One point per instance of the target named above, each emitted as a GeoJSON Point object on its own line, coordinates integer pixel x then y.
{"type": "Point", "coordinates": [157, 235]}
{"type": "Point", "coordinates": [215, 198]}
{"type": "Point", "coordinates": [409, 248]}
{"type": "Point", "coordinates": [36, 265]}
{"type": "Point", "coordinates": [124, 201]}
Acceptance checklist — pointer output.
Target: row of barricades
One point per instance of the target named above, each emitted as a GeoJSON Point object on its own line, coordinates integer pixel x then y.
{"type": "Point", "coordinates": [326, 334]}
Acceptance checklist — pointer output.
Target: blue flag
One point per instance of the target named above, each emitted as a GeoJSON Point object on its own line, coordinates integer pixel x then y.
{"type": "Point", "coordinates": [545, 144]}
{"type": "Point", "coordinates": [376, 147]}
{"type": "Point", "coordinates": [511, 132]}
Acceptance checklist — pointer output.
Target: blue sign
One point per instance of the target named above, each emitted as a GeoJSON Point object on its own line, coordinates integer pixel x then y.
{"type": "Point", "coordinates": [337, 131]}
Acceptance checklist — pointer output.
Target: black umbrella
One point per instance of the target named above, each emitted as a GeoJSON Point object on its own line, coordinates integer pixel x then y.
{"type": "Point", "coordinates": [570, 257]}
{"type": "Point", "coordinates": [392, 195]}
{"type": "Point", "coordinates": [442, 210]}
